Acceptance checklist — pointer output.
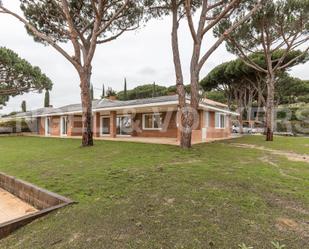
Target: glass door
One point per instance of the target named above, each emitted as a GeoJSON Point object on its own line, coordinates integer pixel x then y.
{"type": "Point", "coordinates": [64, 126]}
{"type": "Point", "coordinates": [105, 126]}
{"type": "Point", "coordinates": [124, 125]}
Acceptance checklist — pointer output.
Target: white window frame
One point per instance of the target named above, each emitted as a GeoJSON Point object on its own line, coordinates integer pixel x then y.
{"type": "Point", "coordinates": [121, 116]}
{"type": "Point", "coordinates": [47, 127]}
{"type": "Point", "coordinates": [151, 129]}
{"type": "Point", "coordinates": [61, 125]}
{"type": "Point", "coordinates": [218, 115]}
{"type": "Point", "coordinates": [101, 126]}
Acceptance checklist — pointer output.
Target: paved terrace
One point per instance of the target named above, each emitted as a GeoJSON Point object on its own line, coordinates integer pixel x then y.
{"type": "Point", "coordinates": [148, 140]}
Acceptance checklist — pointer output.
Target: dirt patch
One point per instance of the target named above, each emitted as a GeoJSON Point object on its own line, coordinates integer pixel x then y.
{"type": "Point", "coordinates": [294, 207]}
{"type": "Point", "coordinates": [12, 207]}
{"type": "Point", "coordinates": [286, 224]}
{"type": "Point", "coordinates": [290, 155]}
{"type": "Point", "coordinates": [267, 160]}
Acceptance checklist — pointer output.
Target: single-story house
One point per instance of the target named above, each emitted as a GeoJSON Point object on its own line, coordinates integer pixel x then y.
{"type": "Point", "coordinates": [150, 117]}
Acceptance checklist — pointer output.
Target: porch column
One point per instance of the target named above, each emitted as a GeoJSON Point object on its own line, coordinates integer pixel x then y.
{"type": "Point", "coordinates": [178, 120]}
{"type": "Point", "coordinates": [96, 124]}
{"type": "Point", "coordinates": [70, 125]}
{"type": "Point", "coordinates": [113, 126]}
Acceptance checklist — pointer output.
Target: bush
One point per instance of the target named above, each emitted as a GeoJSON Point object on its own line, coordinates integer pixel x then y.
{"type": "Point", "coordinates": [14, 126]}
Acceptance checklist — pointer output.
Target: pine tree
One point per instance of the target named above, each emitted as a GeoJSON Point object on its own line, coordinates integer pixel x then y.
{"type": "Point", "coordinates": [125, 96]}
{"type": "Point", "coordinates": [23, 106]}
{"type": "Point", "coordinates": [46, 99]}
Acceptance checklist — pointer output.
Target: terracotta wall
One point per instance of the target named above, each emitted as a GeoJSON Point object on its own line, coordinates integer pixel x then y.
{"type": "Point", "coordinates": [55, 125]}
{"type": "Point", "coordinates": [213, 132]}
{"type": "Point", "coordinates": [169, 126]}
{"type": "Point", "coordinates": [96, 124]}
{"type": "Point", "coordinates": [41, 124]}
{"type": "Point", "coordinates": [75, 125]}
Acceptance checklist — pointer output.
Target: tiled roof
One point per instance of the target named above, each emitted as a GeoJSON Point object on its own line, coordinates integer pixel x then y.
{"type": "Point", "coordinates": [107, 103]}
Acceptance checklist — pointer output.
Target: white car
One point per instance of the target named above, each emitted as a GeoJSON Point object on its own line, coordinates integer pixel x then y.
{"type": "Point", "coordinates": [247, 130]}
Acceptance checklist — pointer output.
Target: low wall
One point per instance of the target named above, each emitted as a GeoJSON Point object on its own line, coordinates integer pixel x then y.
{"type": "Point", "coordinates": [43, 200]}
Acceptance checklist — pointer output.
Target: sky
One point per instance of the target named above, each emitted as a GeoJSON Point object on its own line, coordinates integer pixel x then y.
{"type": "Point", "coordinates": [143, 56]}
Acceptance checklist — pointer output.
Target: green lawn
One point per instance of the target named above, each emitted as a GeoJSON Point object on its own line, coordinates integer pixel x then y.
{"type": "Point", "coordinates": [144, 196]}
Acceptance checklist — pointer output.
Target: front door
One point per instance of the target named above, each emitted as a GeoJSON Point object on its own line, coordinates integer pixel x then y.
{"type": "Point", "coordinates": [124, 125]}
{"type": "Point", "coordinates": [105, 126]}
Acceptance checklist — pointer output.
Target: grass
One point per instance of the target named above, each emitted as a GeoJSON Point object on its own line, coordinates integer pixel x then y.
{"type": "Point", "coordinates": [135, 195]}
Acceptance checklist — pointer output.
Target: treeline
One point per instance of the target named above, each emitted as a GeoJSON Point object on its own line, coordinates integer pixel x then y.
{"type": "Point", "coordinates": [245, 89]}
{"type": "Point", "coordinates": [141, 92]}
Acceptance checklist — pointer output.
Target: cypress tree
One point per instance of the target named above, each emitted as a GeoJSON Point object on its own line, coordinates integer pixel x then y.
{"type": "Point", "coordinates": [103, 92]}
{"type": "Point", "coordinates": [23, 106]}
{"type": "Point", "coordinates": [125, 96]}
{"type": "Point", "coordinates": [46, 99]}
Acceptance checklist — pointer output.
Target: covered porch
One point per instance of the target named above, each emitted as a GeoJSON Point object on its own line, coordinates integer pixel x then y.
{"type": "Point", "coordinates": [141, 123]}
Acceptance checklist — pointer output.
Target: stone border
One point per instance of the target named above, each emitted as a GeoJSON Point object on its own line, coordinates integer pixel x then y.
{"type": "Point", "coordinates": [43, 200]}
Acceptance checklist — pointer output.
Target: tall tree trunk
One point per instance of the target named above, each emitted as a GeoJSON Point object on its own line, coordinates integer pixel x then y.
{"type": "Point", "coordinates": [270, 108]}
{"type": "Point", "coordinates": [87, 134]}
{"type": "Point", "coordinates": [186, 128]}
{"type": "Point", "coordinates": [240, 120]}
{"type": "Point", "coordinates": [185, 137]}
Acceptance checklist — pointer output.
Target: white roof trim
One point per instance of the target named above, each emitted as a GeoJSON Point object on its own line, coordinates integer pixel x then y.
{"type": "Point", "coordinates": [201, 105]}
{"type": "Point", "coordinates": [136, 106]}
{"type": "Point", "coordinates": [207, 107]}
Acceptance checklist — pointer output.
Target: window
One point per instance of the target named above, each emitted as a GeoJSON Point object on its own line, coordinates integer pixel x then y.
{"type": "Point", "coordinates": [220, 120]}
{"type": "Point", "coordinates": [152, 121]}
{"type": "Point", "coordinates": [105, 126]}
{"type": "Point", "coordinates": [124, 125]}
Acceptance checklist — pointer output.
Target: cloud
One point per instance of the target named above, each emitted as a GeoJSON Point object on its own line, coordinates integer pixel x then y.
{"type": "Point", "coordinates": [147, 71]}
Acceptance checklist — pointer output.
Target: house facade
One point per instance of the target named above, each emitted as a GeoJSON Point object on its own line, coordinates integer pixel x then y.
{"type": "Point", "coordinates": [153, 117]}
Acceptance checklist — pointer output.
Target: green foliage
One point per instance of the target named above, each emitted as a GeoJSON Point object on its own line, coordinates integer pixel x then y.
{"type": "Point", "coordinates": [49, 18]}
{"type": "Point", "coordinates": [46, 99]}
{"type": "Point", "coordinates": [4, 99]}
{"type": "Point", "coordinates": [294, 119]}
{"type": "Point", "coordinates": [143, 91]}
{"type": "Point", "coordinates": [243, 246]}
{"type": "Point", "coordinates": [110, 92]}
{"type": "Point", "coordinates": [218, 96]}
{"type": "Point", "coordinates": [15, 125]}
{"type": "Point", "coordinates": [236, 74]}
{"type": "Point", "coordinates": [279, 19]}
{"type": "Point", "coordinates": [17, 76]}
{"type": "Point", "coordinates": [23, 106]}
{"type": "Point", "coordinates": [292, 90]}
{"type": "Point", "coordinates": [161, 8]}
{"type": "Point", "coordinates": [277, 245]}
